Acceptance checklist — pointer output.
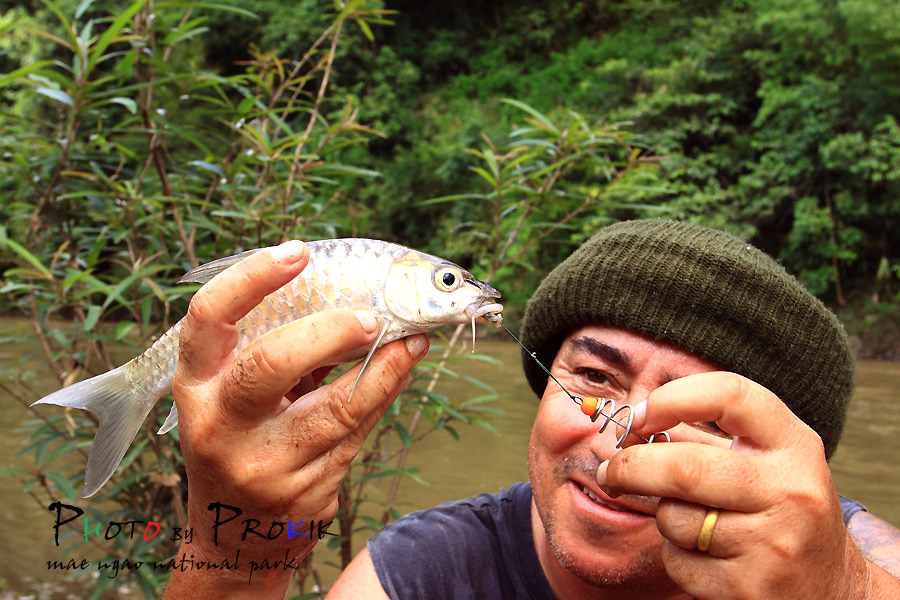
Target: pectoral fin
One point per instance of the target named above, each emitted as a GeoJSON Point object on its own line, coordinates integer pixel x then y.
{"type": "Point", "coordinates": [171, 421]}
{"type": "Point", "coordinates": [385, 325]}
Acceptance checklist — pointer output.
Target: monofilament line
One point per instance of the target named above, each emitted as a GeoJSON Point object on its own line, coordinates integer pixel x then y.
{"type": "Point", "coordinates": [575, 399]}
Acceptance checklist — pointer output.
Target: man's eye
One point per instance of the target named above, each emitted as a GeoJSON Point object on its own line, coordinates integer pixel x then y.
{"type": "Point", "coordinates": [595, 377]}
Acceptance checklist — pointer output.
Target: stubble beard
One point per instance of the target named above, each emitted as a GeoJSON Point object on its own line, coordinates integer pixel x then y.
{"type": "Point", "coordinates": [644, 572]}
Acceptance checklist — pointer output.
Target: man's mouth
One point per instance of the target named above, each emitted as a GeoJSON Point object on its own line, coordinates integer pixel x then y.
{"type": "Point", "coordinates": [598, 500]}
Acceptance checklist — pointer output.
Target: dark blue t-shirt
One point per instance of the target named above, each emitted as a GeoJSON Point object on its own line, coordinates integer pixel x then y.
{"type": "Point", "coordinates": [480, 547]}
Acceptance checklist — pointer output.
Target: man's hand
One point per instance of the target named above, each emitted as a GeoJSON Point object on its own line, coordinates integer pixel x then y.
{"type": "Point", "coordinates": [256, 432]}
{"type": "Point", "coordinates": [780, 532]}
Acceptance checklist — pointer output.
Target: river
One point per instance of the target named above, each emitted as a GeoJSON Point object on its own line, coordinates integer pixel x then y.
{"type": "Point", "coordinates": [865, 466]}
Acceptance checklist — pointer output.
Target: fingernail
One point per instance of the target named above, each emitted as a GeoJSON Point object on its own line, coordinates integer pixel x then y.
{"type": "Point", "coordinates": [602, 480]}
{"type": "Point", "coordinates": [367, 320]}
{"type": "Point", "coordinates": [601, 473]}
{"type": "Point", "coordinates": [417, 345]}
{"type": "Point", "coordinates": [288, 252]}
{"type": "Point", "coordinates": [639, 415]}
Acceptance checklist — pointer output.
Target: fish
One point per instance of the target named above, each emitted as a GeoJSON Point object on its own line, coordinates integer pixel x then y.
{"type": "Point", "coordinates": [409, 292]}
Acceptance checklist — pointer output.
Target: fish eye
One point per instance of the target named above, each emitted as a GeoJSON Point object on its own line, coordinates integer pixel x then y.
{"type": "Point", "coordinates": [447, 279]}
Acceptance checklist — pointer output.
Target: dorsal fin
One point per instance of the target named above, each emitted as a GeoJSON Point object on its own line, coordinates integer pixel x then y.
{"type": "Point", "coordinates": [204, 273]}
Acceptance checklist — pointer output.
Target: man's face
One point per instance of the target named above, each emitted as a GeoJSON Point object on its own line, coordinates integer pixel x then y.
{"type": "Point", "coordinates": [604, 541]}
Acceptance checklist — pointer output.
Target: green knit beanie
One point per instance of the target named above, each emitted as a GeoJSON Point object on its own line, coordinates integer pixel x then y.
{"type": "Point", "coordinates": [710, 293]}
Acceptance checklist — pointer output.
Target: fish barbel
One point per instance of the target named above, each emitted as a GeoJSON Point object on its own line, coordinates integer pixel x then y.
{"type": "Point", "coordinates": [408, 291]}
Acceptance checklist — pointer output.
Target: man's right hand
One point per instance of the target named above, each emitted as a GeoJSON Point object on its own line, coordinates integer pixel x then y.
{"type": "Point", "coordinates": [256, 432]}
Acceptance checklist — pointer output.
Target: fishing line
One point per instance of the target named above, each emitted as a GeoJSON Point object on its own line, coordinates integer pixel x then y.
{"type": "Point", "coordinates": [594, 407]}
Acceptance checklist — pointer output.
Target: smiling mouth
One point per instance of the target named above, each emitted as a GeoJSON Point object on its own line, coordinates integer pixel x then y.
{"type": "Point", "coordinates": [599, 501]}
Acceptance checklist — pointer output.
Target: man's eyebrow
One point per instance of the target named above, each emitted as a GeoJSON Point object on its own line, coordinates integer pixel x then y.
{"type": "Point", "coordinates": [602, 351]}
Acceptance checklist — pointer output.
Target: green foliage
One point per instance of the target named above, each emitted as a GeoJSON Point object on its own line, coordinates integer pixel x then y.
{"type": "Point", "coordinates": [550, 184]}
{"type": "Point", "coordinates": [744, 102]}
{"type": "Point", "coordinates": [125, 162]}
{"type": "Point", "coordinates": [140, 139]}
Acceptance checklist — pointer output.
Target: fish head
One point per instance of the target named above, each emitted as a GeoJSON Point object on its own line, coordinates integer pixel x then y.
{"type": "Point", "coordinates": [428, 291]}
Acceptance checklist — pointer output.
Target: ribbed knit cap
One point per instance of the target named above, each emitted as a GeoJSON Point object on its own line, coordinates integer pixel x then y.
{"type": "Point", "coordinates": [710, 293]}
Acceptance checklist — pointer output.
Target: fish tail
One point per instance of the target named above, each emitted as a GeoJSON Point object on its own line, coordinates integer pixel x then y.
{"type": "Point", "coordinates": [120, 399]}
{"type": "Point", "coordinates": [111, 399]}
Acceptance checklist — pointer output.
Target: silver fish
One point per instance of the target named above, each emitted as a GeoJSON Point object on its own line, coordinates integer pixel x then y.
{"type": "Point", "coordinates": [408, 291]}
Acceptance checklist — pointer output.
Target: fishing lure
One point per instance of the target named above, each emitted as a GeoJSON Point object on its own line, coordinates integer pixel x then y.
{"type": "Point", "coordinates": [590, 406]}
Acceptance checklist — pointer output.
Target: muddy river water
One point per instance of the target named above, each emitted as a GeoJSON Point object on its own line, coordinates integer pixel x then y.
{"type": "Point", "coordinates": [866, 466]}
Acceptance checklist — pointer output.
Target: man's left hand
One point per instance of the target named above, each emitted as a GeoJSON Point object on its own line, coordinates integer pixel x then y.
{"type": "Point", "coordinates": [779, 533]}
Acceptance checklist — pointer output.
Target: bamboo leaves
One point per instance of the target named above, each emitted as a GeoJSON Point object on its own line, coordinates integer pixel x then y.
{"type": "Point", "coordinates": [126, 163]}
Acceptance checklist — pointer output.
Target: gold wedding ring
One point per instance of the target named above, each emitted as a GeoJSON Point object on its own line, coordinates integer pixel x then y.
{"type": "Point", "coordinates": [706, 531]}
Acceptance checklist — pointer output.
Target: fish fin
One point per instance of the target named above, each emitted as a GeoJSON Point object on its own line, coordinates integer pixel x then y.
{"type": "Point", "coordinates": [204, 273]}
{"type": "Point", "coordinates": [171, 421]}
{"type": "Point", "coordinates": [110, 397]}
{"type": "Point", "coordinates": [386, 324]}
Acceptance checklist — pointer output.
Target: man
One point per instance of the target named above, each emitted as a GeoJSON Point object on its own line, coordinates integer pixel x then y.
{"type": "Point", "coordinates": [685, 323]}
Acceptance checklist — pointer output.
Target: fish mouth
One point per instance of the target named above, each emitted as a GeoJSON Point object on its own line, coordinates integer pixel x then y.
{"type": "Point", "coordinates": [487, 313]}
{"type": "Point", "coordinates": [484, 310]}
{"type": "Point", "coordinates": [488, 289]}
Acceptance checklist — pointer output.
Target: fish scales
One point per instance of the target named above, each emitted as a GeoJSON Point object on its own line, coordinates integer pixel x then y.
{"type": "Point", "coordinates": [408, 291]}
{"type": "Point", "coordinates": [328, 283]}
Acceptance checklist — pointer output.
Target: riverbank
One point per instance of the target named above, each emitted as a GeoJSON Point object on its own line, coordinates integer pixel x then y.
{"type": "Point", "coordinates": [874, 329]}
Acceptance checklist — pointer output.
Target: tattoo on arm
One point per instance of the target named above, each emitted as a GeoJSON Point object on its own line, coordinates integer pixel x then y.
{"type": "Point", "coordinates": [878, 540]}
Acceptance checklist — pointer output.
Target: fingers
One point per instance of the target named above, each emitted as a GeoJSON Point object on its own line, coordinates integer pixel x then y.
{"type": "Point", "coordinates": [739, 406]}
{"type": "Point", "coordinates": [254, 383]}
{"type": "Point", "coordinates": [702, 575]}
{"type": "Point", "coordinates": [694, 472]}
{"type": "Point", "coordinates": [327, 418]}
{"type": "Point", "coordinates": [771, 489]}
{"type": "Point", "coordinates": [698, 433]}
{"type": "Point", "coordinates": [681, 522]}
{"type": "Point", "coordinates": [309, 382]}
{"type": "Point", "coordinates": [707, 473]}
{"type": "Point", "coordinates": [306, 384]}
{"type": "Point", "coordinates": [210, 334]}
